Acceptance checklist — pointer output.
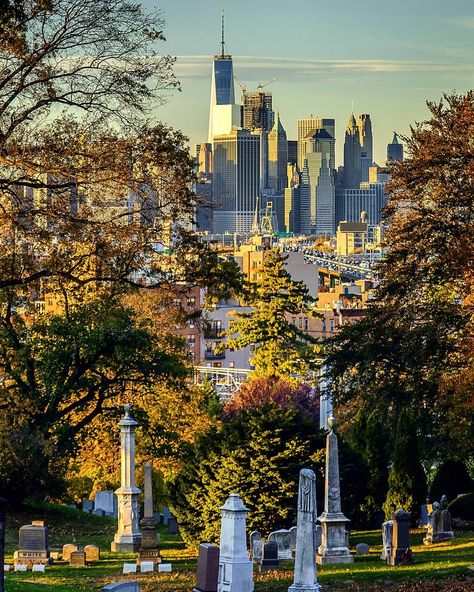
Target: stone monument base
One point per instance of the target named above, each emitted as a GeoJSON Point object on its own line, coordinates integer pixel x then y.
{"type": "Point", "coordinates": [32, 558]}
{"type": "Point", "coordinates": [305, 588]}
{"type": "Point", "coordinates": [150, 555]}
{"type": "Point", "coordinates": [438, 537]}
{"type": "Point", "coordinates": [334, 559]}
{"type": "Point", "coordinates": [132, 547]}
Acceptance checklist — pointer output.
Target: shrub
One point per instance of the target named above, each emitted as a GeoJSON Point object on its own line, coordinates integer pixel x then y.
{"type": "Point", "coordinates": [463, 507]}
{"type": "Point", "coordinates": [451, 479]}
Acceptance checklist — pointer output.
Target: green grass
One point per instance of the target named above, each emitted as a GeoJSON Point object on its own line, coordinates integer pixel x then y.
{"type": "Point", "coordinates": [69, 526]}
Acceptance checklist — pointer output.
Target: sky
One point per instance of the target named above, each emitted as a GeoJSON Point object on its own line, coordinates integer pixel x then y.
{"type": "Point", "coordinates": [385, 58]}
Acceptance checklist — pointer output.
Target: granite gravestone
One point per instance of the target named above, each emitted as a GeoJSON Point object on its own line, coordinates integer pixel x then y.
{"type": "Point", "coordinates": [67, 550]}
{"type": "Point", "coordinates": [172, 525]}
{"type": "Point", "coordinates": [362, 549]}
{"type": "Point", "coordinates": [88, 506]}
{"type": "Point", "coordinates": [207, 568]}
{"type": "Point", "coordinates": [149, 548]}
{"type": "Point", "coordinates": [439, 524]}
{"type": "Point", "coordinates": [77, 559]}
{"type": "Point", "coordinates": [256, 546]}
{"type": "Point", "coordinates": [305, 578]}
{"type": "Point", "coordinates": [282, 538]}
{"type": "Point", "coordinates": [33, 545]}
{"type": "Point", "coordinates": [387, 536]}
{"type": "Point", "coordinates": [122, 587]}
{"type": "Point", "coordinates": [401, 553]}
{"type": "Point", "coordinates": [269, 556]}
{"type": "Point", "coordinates": [92, 553]}
{"type": "Point", "coordinates": [127, 539]}
{"type": "Point", "coordinates": [334, 546]}
{"type": "Point", "coordinates": [106, 501]}
{"type": "Point", "coordinates": [235, 567]}
{"type": "Point", "coordinates": [293, 531]}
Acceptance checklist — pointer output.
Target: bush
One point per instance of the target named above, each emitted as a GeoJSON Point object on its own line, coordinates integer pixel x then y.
{"type": "Point", "coordinates": [463, 507]}
{"type": "Point", "coordinates": [451, 479]}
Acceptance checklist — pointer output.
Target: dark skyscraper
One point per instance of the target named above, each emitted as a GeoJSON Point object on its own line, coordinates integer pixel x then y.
{"type": "Point", "coordinates": [394, 149]}
{"type": "Point", "coordinates": [365, 139]}
{"type": "Point", "coordinates": [352, 156]}
{"type": "Point", "coordinates": [257, 112]}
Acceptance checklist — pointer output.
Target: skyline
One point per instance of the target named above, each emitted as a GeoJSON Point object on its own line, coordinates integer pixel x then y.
{"type": "Point", "coordinates": [388, 65]}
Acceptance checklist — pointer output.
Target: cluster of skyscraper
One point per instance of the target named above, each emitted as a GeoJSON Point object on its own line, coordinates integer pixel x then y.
{"type": "Point", "coordinates": [249, 163]}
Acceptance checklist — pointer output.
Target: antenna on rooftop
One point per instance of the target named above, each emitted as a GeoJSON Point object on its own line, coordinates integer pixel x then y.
{"type": "Point", "coordinates": [223, 37]}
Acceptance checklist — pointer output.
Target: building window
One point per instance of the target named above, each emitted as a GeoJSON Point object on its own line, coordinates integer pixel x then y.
{"type": "Point", "coordinates": [301, 322]}
{"type": "Point", "coordinates": [191, 324]}
{"type": "Point", "coordinates": [293, 320]}
{"type": "Point", "coordinates": [191, 302]}
{"type": "Point", "coordinates": [323, 327]}
{"type": "Point", "coordinates": [331, 325]}
{"type": "Point", "coordinates": [306, 323]}
{"type": "Point", "coordinates": [191, 339]}
{"type": "Point", "coordinates": [231, 364]}
{"type": "Point", "coordinates": [217, 365]}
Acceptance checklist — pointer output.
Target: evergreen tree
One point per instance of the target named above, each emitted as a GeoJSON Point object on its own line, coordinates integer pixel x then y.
{"type": "Point", "coordinates": [406, 480]}
{"type": "Point", "coordinates": [280, 347]}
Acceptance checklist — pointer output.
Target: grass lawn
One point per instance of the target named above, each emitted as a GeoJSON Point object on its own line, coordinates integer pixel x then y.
{"type": "Point", "coordinates": [447, 560]}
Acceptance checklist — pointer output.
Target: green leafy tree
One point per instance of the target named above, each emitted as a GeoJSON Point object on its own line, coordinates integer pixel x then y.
{"type": "Point", "coordinates": [451, 479]}
{"type": "Point", "coordinates": [414, 348]}
{"type": "Point", "coordinates": [407, 479]}
{"type": "Point", "coordinates": [257, 451]}
{"type": "Point", "coordinates": [280, 347]}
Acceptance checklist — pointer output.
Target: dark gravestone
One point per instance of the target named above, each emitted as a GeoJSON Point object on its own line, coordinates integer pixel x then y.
{"type": "Point", "coordinates": [33, 545]}
{"type": "Point", "coordinates": [401, 553]}
{"type": "Point", "coordinates": [87, 506]}
{"type": "Point", "coordinates": [172, 525]}
{"type": "Point", "coordinates": [77, 559]}
{"type": "Point", "coordinates": [269, 556]}
{"type": "Point", "coordinates": [207, 568]}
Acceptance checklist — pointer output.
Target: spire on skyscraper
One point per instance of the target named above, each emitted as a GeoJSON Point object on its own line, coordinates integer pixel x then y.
{"type": "Point", "coordinates": [223, 35]}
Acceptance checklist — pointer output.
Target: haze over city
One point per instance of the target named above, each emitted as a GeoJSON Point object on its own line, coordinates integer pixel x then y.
{"type": "Point", "coordinates": [387, 59]}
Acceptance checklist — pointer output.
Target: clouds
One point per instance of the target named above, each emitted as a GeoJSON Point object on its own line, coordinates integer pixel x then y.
{"type": "Point", "coordinates": [259, 68]}
{"type": "Point", "coordinates": [465, 22]}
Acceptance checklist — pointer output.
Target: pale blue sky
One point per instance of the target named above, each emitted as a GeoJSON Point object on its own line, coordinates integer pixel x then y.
{"type": "Point", "coordinates": [388, 57]}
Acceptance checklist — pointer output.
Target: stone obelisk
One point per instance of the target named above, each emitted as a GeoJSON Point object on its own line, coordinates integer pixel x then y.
{"type": "Point", "coordinates": [235, 567]}
{"type": "Point", "coordinates": [333, 548]}
{"type": "Point", "coordinates": [305, 578]}
{"type": "Point", "coordinates": [128, 536]}
{"type": "Point", "coordinates": [149, 550]}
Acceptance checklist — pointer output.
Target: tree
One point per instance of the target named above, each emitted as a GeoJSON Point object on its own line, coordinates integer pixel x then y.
{"type": "Point", "coordinates": [280, 347]}
{"type": "Point", "coordinates": [257, 451]}
{"type": "Point", "coordinates": [406, 480]}
{"type": "Point", "coordinates": [60, 372]}
{"type": "Point", "coordinates": [414, 348]}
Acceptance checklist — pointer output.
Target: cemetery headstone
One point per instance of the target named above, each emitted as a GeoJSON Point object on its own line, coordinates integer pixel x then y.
{"type": "Point", "coordinates": [235, 567]}
{"type": "Point", "coordinates": [40, 567]}
{"type": "Point", "coordinates": [334, 546]}
{"type": "Point", "coordinates": [21, 567]}
{"type": "Point", "coordinates": [401, 553]}
{"type": "Point", "coordinates": [293, 531]}
{"type": "Point", "coordinates": [165, 567]}
{"type": "Point", "coordinates": [77, 559]}
{"type": "Point", "coordinates": [106, 501]}
{"type": "Point", "coordinates": [127, 539]}
{"type": "Point", "coordinates": [256, 546]}
{"type": "Point", "coordinates": [98, 512]}
{"type": "Point", "coordinates": [282, 539]}
{"type": "Point", "coordinates": [147, 566]}
{"type": "Point", "coordinates": [362, 549]}
{"type": "Point", "coordinates": [92, 553]}
{"type": "Point", "coordinates": [269, 557]}
{"type": "Point", "coordinates": [318, 533]}
{"type": "Point", "coordinates": [33, 544]}
{"type": "Point", "coordinates": [207, 568]}
{"type": "Point", "coordinates": [439, 525]}
{"type": "Point", "coordinates": [67, 550]}
{"type": "Point", "coordinates": [149, 548]}
{"type": "Point", "coordinates": [172, 525]}
{"type": "Point", "coordinates": [129, 568]}
{"type": "Point", "coordinates": [387, 536]}
{"type": "Point", "coordinates": [305, 576]}
{"type": "Point", "coordinates": [88, 506]}
{"type": "Point", "coordinates": [121, 587]}
{"type": "Point", "coordinates": [166, 514]}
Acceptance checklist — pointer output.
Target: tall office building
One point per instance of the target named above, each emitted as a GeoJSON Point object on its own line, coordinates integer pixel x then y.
{"type": "Point", "coordinates": [277, 157]}
{"type": "Point", "coordinates": [236, 181]}
{"type": "Point", "coordinates": [292, 151]}
{"type": "Point", "coordinates": [369, 198]}
{"type": "Point", "coordinates": [317, 204]}
{"type": "Point", "coordinates": [311, 124]}
{"type": "Point", "coordinates": [394, 149]}
{"type": "Point", "coordinates": [366, 151]}
{"type": "Point", "coordinates": [257, 110]}
{"type": "Point", "coordinates": [204, 159]}
{"type": "Point", "coordinates": [224, 114]}
{"type": "Point", "coordinates": [291, 216]}
{"type": "Point", "coordinates": [352, 156]}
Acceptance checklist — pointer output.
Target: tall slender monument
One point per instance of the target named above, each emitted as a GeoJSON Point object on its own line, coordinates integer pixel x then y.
{"type": "Point", "coordinates": [305, 579]}
{"type": "Point", "coordinates": [149, 550]}
{"type": "Point", "coordinates": [128, 536]}
{"type": "Point", "coordinates": [333, 548]}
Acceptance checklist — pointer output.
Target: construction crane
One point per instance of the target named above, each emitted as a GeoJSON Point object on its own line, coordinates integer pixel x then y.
{"type": "Point", "coordinates": [261, 86]}
{"type": "Point", "coordinates": [242, 86]}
